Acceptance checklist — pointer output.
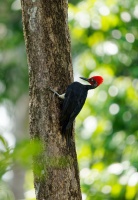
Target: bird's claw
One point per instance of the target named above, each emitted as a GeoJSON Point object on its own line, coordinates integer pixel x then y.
{"type": "Point", "coordinates": [51, 90]}
{"type": "Point", "coordinates": [55, 93]}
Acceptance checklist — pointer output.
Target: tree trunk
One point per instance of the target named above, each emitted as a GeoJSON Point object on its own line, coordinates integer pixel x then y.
{"type": "Point", "coordinates": [56, 175]}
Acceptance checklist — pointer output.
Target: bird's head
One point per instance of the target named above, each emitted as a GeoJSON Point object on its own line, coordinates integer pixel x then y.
{"type": "Point", "coordinates": [94, 80]}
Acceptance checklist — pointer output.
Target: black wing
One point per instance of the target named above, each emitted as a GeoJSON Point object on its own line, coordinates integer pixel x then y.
{"type": "Point", "coordinates": [75, 97]}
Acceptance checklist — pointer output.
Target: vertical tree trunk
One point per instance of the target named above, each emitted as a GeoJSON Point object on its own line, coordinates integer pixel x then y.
{"type": "Point", "coordinates": [48, 50]}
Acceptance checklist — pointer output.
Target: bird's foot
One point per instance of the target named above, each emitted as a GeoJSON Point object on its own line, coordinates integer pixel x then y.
{"type": "Point", "coordinates": [55, 93]}
{"type": "Point", "coordinates": [62, 96]}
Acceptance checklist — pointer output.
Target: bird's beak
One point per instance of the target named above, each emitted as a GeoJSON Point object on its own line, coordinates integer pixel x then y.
{"type": "Point", "coordinates": [85, 79]}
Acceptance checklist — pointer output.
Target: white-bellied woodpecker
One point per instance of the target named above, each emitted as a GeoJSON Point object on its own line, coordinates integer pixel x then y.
{"type": "Point", "coordinates": [74, 99]}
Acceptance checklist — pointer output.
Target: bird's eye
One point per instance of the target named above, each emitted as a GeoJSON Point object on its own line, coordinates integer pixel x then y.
{"type": "Point", "coordinates": [93, 81]}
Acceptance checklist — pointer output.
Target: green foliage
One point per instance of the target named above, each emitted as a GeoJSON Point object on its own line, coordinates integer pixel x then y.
{"type": "Point", "coordinates": [5, 193]}
{"type": "Point", "coordinates": [24, 150]}
{"type": "Point", "coordinates": [5, 162]}
{"type": "Point", "coordinates": [104, 42]}
{"type": "Point", "coordinates": [14, 74]}
{"type": "Point", "coordinates": [5, 156]}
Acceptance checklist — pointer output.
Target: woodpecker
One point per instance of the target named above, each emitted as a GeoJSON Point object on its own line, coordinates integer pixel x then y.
{"type": "Point", "coordinates": [74, 99]}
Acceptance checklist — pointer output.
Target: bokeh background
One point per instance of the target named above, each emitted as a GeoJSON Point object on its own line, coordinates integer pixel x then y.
{"type": "Point", "coordinates": [104, 37]}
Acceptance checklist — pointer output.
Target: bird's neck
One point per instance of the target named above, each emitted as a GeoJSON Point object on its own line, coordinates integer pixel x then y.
{"type": "Point", "coordinates": [89, 87]}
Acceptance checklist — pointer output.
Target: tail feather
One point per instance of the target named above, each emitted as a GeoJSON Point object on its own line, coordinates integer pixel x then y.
{"type": "Point", "coordinates": [67, 133]}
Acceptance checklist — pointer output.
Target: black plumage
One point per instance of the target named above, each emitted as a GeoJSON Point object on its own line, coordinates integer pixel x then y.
{"type": "Point", "coordinates": [75, 97]}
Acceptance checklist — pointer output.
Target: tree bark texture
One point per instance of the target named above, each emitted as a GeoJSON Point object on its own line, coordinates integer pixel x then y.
{"type": "Point", "coordinates": [47, 39]}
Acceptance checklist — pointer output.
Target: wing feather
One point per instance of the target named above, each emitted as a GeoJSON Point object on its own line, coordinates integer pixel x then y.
{"type": "Point", "coordinates": [75, 97]}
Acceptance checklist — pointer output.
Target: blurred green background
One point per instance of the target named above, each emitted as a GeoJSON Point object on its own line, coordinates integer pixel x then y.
{"type": "Point", "coordinates": [104, 37]}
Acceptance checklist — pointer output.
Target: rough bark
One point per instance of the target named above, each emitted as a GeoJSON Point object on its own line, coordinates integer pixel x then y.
{"type": "Point", "coordinates": [48, 50]}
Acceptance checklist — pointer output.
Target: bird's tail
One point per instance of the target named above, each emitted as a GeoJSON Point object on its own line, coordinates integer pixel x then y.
{"type": "Point", "coordinates": [67, 133]}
